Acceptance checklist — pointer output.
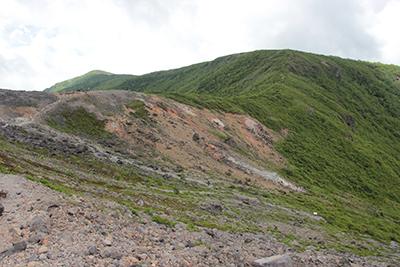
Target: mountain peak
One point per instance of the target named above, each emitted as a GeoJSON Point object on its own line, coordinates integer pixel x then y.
{"type": "Point", "coordinates": [98, 72]}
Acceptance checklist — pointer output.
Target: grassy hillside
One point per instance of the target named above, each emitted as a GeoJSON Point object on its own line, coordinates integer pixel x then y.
{"type": "Point", "coordinates": [341, 118]}
{"type": "Point", "coordinates": [342, 115]}
{"type": "Point", "coordinates": [94, 80]}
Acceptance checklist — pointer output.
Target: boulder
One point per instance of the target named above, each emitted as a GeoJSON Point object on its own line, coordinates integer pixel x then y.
{"type": "Point", "coordinates": [17, 247]}
{"type": "Point", "coordinates": [113, 254]}
{"type": "Point", "coordinates": [214, 208]}
{"type": "Point", "coordinates": [71, 212]}
{"type": "Point", "coordinates": [34, 239]}
{"type": "Point", "coordinates": [37, 225]}
{"type": "Point", "coordinates": [92, 250]}
{"type": "Point", "coordinates": [196, 137]}
{"type": "Point", "coordinates": [344, 262]}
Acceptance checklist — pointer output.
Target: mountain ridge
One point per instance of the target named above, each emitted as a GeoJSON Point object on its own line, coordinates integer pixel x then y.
{"type": "Point", "coordinates": [292, 77]}
{"type": "Point", "coordinates": [340, 115]}
{"type": "Point", "coordinates": [239, 143]}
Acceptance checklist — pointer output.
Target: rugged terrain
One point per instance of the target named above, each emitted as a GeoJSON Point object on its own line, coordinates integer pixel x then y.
{"type": "Point", "coordinates": [206, 143]}
{"type": "Point", "coordinates": [142, 179]}
{"type": "Point", "coordinates": [42, 227]}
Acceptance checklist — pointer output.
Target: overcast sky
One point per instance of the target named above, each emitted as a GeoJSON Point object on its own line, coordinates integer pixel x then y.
{"type": "Point", "coordinates": [47, 41]}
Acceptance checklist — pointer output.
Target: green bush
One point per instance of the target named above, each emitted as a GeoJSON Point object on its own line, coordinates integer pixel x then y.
{"type": "Point", "coordinates": [176, 190]}
{"type": "Point", "coordinates": [134, 212]}
{"type": "Point", "coordinates": [117, 176]}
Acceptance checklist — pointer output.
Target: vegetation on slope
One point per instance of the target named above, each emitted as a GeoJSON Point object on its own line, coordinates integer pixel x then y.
{"type": "Point", "coordinates": [78, 121]}
{"type": "Point", "coordinates": [340, 113]}
{"type": "Point", "coordinates": [341, 118]}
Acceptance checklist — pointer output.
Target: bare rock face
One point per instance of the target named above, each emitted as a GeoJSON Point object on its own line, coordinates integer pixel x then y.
{"type": "Point", "coordinates": [1, 209]}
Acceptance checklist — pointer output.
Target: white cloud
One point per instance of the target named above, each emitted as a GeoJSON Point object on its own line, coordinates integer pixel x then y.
{"type": "Point", "coordinates": [387, 31]}
{"type": "Point", "coordinates": [43, 42]}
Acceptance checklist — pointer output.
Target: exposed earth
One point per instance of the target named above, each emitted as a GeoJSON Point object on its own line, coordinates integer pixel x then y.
{"type": "Point", "coordinates": [169, 131]}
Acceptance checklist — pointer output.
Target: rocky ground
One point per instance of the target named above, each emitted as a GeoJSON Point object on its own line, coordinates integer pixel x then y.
{"type": "Point", "coordinates": [42, 227]}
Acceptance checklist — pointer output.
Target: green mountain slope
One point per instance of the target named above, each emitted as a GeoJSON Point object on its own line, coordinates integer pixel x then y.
{"type": "Point", "coordinates": [341, 118]}
{"type": "Point", "coordinates": [94, 80]}
{"type": "Point", "coordinates": [343, 111]}
{"type": "Point", "coordinates": [225, 76]}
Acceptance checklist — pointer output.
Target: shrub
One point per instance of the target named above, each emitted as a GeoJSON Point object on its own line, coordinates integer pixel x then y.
{"type": "Point", "coordinates": [176, 190]}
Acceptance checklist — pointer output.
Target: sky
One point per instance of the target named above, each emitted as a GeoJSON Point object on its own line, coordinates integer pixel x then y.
{"type": "Point", "coordinates": [43, 42]}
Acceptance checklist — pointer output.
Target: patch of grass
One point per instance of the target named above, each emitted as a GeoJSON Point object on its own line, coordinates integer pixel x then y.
{"type": "Point", "coordinates": [161, 220]}
{"type": "Point", "coordinates": [51, 185]}
{"type": "Point", "coordinates": [139, 108]}
{"type": "Point", "coordinates": [135, 104]}
{"type": "Point", "coordinates": [192, 228]}
{"type": "Point", "coordinates": [220, 136]}
{"type": "Point", "coordinates": [148, 210]}
{"type": "Point", "coordinates": [5, 170]}
{"type": "Point", "coordinates": [228, 215]}
{"type": "Point", "coordinates": [78, 121]}
{"type": "Point", "coordinates": [134, 212]}
{"type": "Point", "coordinates": [199, 243]}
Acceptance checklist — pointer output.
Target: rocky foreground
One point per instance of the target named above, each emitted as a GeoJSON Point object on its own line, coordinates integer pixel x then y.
{"type": "Point", "coordinates": [43, 227]}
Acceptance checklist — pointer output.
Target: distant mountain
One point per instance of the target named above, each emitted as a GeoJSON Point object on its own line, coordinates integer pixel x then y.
{"type": "Point", "coordinates": [340, 118]}
{"type": "Point", "coordinates": [94, 80]}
